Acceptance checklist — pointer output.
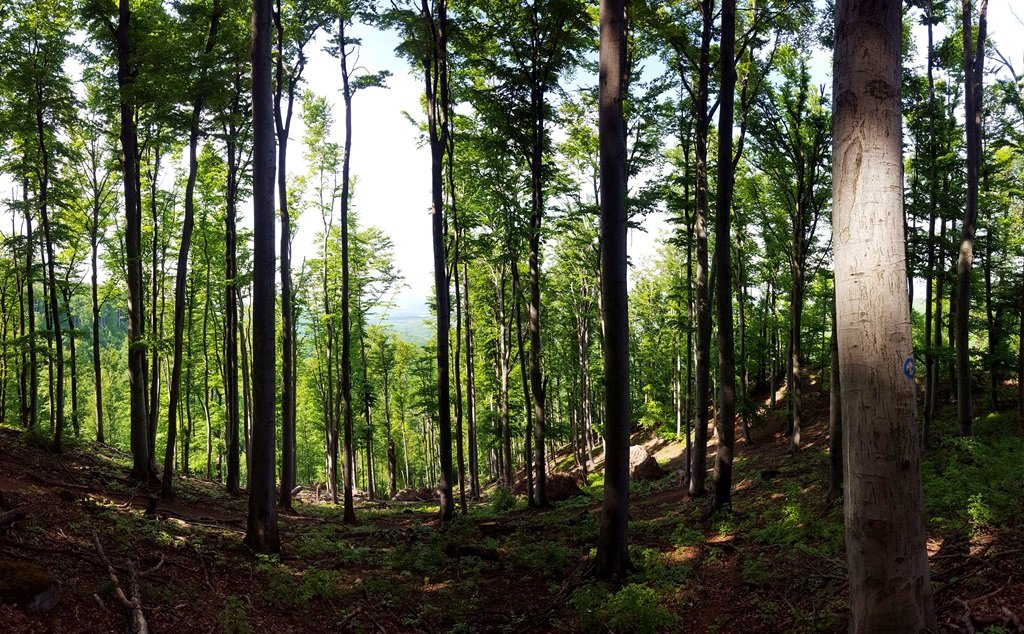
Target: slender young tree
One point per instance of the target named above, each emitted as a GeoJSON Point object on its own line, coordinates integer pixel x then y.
{"type": "Point", "coordinates": [698, 466]}
{"type": "Point", "coordinates": [612, 545]}
{"type": "Point", "coordinates": [188, 223]}
{"type": "Point", "coordinates": [885, 539]}
{"type": "Point", "coordinates": [261, 528]}
{"type": "Point", "coordinates": [974, 71]}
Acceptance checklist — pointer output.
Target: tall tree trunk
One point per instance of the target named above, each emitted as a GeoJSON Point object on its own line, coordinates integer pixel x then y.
{"type": "Point", "coordinates": [47, 326]}
{"type": "Point", "coordinates": [67, 291]}
{"type": "Point", "coordinates": [1020, 365]}
{"type": "Point", "coordinates": [230, 342]}
{"type": "Point", "coordinates": [703, 353]}
{"type": "Point", "coordinates": [726, 410]}
{"type": "Point", "coordinates": [990, 321]}
{"type": "Point", "coordinates": [503, 375]}
{"type": "Point", "coordinates": [243, 344]}
{"type": "Point", "coordinates": [206, 359]}
{"type": "Point", "coordinates": [741, 292]}
{"type": "Point", "coordinates": [435, 67]}
{"type": "Point", "coordinates": [612, 545]}
{"type": "Point", "coordinates": [282, 125]}
{"type": "Point", "coordinates": [367, 417]}
{"type": "Point", "coordinates": [390, 439]}
{"type": "Point", "coordinates": [835, 416]}
{"type": "Point", "coordinates": [261, 528]}
{"type": "Point", "coordinates": [133, 249]}
{"type": "Point", "coordinates": [885, 539]}
{"type": "Point", "coordinates": [474, 467]}
{"type": "Point", "coordinates": [154, 298]}
{"type": "Point", "coordinates": [181, 274]}
{"type": "Point", "coordinates": [97, 374]}
{"type": "Point", "coordinates": [346, 361]}
{"type": "Point", "coordinates": [931, 366]}
{"type": "Point", "coordinates": [44, 216]}
{"type": "Point", "coordinates": [537, 390]}
{"type": "Point", "coordinates": [939, 287]}
{"type": "Point", "coordinates": [974, 69]}
{"type": "Point", "coordinates": [24, 285]}
{"type": "Point", "coordinates": [523, 375]}
{"type": "Point", "coordinates": [796, 309]}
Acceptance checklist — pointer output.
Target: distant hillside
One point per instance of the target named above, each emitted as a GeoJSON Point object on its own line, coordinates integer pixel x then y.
{"type": "Point", "coordinates": [412, 321]}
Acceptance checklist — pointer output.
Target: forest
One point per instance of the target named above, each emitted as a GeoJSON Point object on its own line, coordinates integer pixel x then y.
{"type": "Point", "coordinates": [801, 411]}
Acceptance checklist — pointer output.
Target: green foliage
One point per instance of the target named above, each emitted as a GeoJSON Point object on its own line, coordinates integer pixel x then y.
{"type": "Point", "coordinates": [290, 588]}
{"type": "Point", "coordinates": [634, 609]}
{"type": "Point", "coordinates": [658, 571]}
{"type": "Point", "coordinates": [425, 555]}
{"type": "Point", "coordinates": [327, 543]}
{"type": "Point", "coordinates": [545, 557]}
{"type": "Point", "coordinates": [687, 536]}
{"type": "Point", "coordinates": [502, 500]}
{"type": "Point", "coordinates": [975, 483]}
{"type": "Point", "coordinates": [755, 572]}
{"type": "Point", "coordinates": [233, 618]}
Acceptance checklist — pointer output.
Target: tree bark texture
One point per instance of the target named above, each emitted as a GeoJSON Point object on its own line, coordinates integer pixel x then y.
{"type": "Point", "coordinates": [974, 68]}
{"type": "Point", "coordinates": [612, 550]}
{"type": "Point", "coordinates": [885, 539]}
{"type": "Point", "coordinates": [261, 527]}
{"type": "Point", "coordinates": [726, 419]}
{"type": "Point", "coordinates": [133, 249]}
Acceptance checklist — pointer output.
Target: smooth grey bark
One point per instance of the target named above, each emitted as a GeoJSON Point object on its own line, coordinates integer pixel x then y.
{"type": "Point", "coordinates": [889, 585]}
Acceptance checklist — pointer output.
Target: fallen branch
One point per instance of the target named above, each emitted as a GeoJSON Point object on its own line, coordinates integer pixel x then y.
{"type": "Point", "coordinates": [134, 604]}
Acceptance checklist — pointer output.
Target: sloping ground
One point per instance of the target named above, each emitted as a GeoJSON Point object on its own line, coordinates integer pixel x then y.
{"type": "Point", "coordinates": [775, 564]}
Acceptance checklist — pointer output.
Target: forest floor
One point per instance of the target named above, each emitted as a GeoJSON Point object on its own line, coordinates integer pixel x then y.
{"type": "Point", "coordinates": [774, 564]}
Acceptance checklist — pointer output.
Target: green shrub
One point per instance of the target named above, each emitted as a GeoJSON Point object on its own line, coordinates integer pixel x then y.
{"type": "Point", "coordinates": [975, 482]}
{"type": "Point", "coordinates": [289, 588]}
{"type": "Point", "coordinates": [503, 501]}
{"type": "Point", "coordinates": [233, 618]}
{"type": "Point", "coordinates": [544, 557]}
{"type": "Point", "coordinates": [634, 609]}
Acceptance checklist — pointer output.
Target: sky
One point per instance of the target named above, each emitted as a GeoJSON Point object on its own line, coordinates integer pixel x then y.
{"type": "Point", "coordinates": [392, 168]}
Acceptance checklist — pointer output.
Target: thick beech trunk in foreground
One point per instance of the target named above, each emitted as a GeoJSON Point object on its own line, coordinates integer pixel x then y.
{"type": "Point", "coordinates": [612, 545]}
{"type": "Point", "coordinates": [261, 527]}
{"type": "Point", "coordinates": [885, 540]}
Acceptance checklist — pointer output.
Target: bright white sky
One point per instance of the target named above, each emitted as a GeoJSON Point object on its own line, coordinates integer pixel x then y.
{"type": "Point", "coordinates": [393, 172]}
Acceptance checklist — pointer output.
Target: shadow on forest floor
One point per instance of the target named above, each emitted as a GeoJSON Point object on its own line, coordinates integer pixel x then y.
{"type": "Point", "coordinates": [775, 564]}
